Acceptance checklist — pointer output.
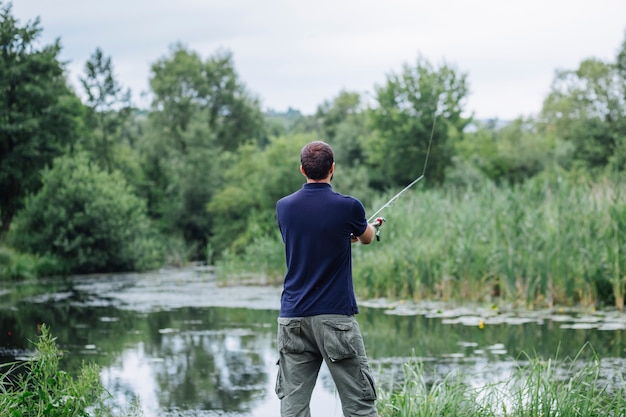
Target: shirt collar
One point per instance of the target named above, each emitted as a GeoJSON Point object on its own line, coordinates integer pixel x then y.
{"type": "Point", "coordinates": [315, 185]}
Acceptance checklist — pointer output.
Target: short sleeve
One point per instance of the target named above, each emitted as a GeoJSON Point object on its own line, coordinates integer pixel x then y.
{"type": "Point", "coordinates": [358, 222]}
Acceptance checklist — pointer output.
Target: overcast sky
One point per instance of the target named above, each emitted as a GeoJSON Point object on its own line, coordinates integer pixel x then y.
{"type": "Point", "coordinates": [300, 53]}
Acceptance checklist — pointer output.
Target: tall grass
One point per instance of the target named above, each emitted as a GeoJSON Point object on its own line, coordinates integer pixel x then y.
{"type": "Point", "coordinates": [262, 262]}
{"type": "Point", "coordinates": [419, 398]}
{"type": "Point", "coordinates": [538, 388]}
{"type": "Point", "coordinates": [543, 243]}
{"type": "Point", "coordinates": [551, 241]}
{"type": "Point", "coordinates": [40, 388]}
{"type": "Point", "coordinates": [15, 266]}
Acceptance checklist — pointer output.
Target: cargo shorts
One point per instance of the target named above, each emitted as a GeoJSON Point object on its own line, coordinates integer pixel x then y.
{"type": "Point", "coordinates": [303, 343]}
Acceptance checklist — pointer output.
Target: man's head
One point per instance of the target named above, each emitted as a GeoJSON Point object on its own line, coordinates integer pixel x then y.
{"type": "Point", "coordinates": [317, 160]}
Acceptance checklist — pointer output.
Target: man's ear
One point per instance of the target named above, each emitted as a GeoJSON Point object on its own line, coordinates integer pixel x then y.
{"type": "Point", "coordinates": [302, 170]}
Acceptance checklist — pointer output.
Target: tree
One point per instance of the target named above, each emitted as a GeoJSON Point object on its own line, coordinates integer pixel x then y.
{"type": "Point", "coordinates": [109, 106]}
{"type": "Point", "coordinates": [405, 117]}
{"type": "Point", "coordinates": [587, 108]}
{"type": "Point", "coordinates": [178, 184]}
{"type": "Point", "coordinates": [245, 206]}
{"type": "Point", "coordinates": [184, 85]}
{"type": "Point", "coordinates": [511, 153]}
{"type": "Point", "coordinates": [39, 115]}
{"type": "Point", "coordinates": [201, 114]}
{"type": "Point", "coordinates": [88, 219]}
{"type": "Point", "coordinates": [344, 126]}
{"type": "Point", "coordinates": [618, 159]}
{"type": "Point", "coordinates": [332, 113]}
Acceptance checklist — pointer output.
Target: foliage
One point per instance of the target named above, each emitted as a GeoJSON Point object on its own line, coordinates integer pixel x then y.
{"type": "Point", "coordinates": [536, 243]}
{"type": "Point", "coordinates": [539, 388]}
{"type": "Point", "coordinates": [209, 166]}
{"type": "Point", "coordinates": [109, 109]}
{"type": "Point", "coordinates": [178, 185]}
{"type": "Point", "coordinates": [201, 114]}
{"type": "Point", "coordinates": [39, 115]}
{"type": "Point", "coordinates": [587, 107]}
{"type": "Point", "coordinates": [552, 240]}
{"type": "Point", "coordinates": [88, 219]}
{"type": "Point", "coordinates": [513, 153]}
{"type": "Point", "coordinates": [404, 120]}
{"type": "Point", "coordinates": [419, 398]}
{"type": "Point", "coordinates": [43, 389]}
{"type": "Point", "coordinates": [343, 122]}
{"type": "Point", "coordinates": [184, 84]}
{"type": "Point", "coordinates": [261, 262]}
{"type": "Point", "coordinates": [283, 123]}
{"type": "Point", "coordinates": [245, 207]}
{"type": "Point", "coordinates": [16, 266]}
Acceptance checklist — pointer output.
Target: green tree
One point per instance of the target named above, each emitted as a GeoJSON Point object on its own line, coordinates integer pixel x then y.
{"type": "Point", "coordinates": [178, 182]}
{"type": "Point", "coordinates": [405, 117]}
{"type": "Point", "coordinates": [587, 108]}
{"type": "Point", "coordinates": [201, 114]}
{"type": "Point", "coordinates": [39, 115]}
{"type": "Point", "coordinates": [512, 153]}
{"type": "Point", "coordinates": [290, 122]}
{"type": "Point", "coordinates": [110, 107]}
{"type": "Point", "coordinates": [343, 121]}
{"type": "Point", "coordinates": [88, 219]}
{"type": "Point", "coordinates": [244, 208]}
{"type": "Point", "coordinates": [618, 159]}
{"type": "Point", "coordinates": [183, 85]}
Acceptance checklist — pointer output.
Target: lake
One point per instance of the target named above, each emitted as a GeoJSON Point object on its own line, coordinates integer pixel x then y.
{"type": "Point", "coordinates": [179, 344]}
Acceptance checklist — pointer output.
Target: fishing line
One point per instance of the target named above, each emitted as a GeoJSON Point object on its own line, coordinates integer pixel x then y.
{"type": "Point", "coordinates": [415, 181]}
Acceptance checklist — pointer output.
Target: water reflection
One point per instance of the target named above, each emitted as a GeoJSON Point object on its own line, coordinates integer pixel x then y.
{"type": "Point", "coordinates": [181, 345]}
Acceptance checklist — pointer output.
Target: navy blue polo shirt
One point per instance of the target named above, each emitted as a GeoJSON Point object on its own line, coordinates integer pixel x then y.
{"type": "Point", "coordinates": [316, 223]}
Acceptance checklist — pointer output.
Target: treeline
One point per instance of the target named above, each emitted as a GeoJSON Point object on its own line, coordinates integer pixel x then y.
{"type": "Point", "coordinates": [99, 185]}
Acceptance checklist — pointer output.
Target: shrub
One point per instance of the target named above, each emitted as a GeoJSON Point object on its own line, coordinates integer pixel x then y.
{"type": "Point", "coordinates": [15, 266]}
{"type": "Point", "coordinates": [41, 389]}
{"type": "Point", "coordinates": [88, 219]}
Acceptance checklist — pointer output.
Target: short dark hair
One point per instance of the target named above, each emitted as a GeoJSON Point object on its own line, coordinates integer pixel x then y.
{"type": "Point", "coordinates": [317, 158]}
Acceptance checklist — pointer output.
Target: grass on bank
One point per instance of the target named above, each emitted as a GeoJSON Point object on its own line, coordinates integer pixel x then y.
{"type": "Point", "coordinates": [538, 388]}
{"type": "Point", "coordinates": [39, 387]}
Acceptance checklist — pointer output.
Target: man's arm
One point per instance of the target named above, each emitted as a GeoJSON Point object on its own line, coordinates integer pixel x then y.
{"type": "Point", "coordinates": [367, 236]}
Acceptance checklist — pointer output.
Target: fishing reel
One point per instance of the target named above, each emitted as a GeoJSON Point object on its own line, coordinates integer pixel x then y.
{"type": "Point", "coordinates": [377, 225]}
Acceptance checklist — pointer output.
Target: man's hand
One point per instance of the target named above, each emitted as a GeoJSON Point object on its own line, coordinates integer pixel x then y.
{"type": "Point", "coordinates": [378, 222]}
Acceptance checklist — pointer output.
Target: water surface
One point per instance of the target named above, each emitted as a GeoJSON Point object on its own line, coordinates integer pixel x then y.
{"type": "Point", "coordinates": [182, 345]}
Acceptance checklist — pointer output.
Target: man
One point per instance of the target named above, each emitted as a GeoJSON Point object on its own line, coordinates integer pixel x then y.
{"type": "Point", "coordinates": [316, 321]}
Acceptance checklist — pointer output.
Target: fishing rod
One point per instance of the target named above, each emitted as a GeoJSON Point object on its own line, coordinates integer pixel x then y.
{"type": "Point", "coordinates": [380, 220]}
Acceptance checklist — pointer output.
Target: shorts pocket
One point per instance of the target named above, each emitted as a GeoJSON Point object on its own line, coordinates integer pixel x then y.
{"type": "Point", "coordinates": [290, 335]}
{"type": "Point", "coordinates": [279, 389]}
{"type": "Point", "coordinates": [339, 338]}
{"type": "Point", "coordinates": [369, 388]}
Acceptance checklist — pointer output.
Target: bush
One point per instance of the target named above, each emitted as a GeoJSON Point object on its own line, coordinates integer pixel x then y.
{"type": "Point", "coordinates": [15, 266]}
{"type": "Point", "coordinates": [42, 389]}
{"type": "Point", "coordinates": [539, 387]}
{"type": "Point", "coordinates": [39, 388]}
{"type": "Point", "coordinates": [86, 218]}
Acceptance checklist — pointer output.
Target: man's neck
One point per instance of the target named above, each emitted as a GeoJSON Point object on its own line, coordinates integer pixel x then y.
{"type": "Point", "coordinates": [324, 181]}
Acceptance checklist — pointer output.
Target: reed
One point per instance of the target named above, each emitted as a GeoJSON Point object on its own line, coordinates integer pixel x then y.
{"type": "Point", "coordinates": [419, 398]}
{"type": "Point", "coordinates": [551, 241]}
{"type": "Point", "coordinates": [547, 242]}
{"type": "Point", "coordinates": [39, 387]}
{"type": "Point", "coordinates": [563, 388]}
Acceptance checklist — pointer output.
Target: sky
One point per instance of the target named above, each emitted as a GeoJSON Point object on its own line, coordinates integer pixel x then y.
{"type": "Point", "coordinates": [302, 53]}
